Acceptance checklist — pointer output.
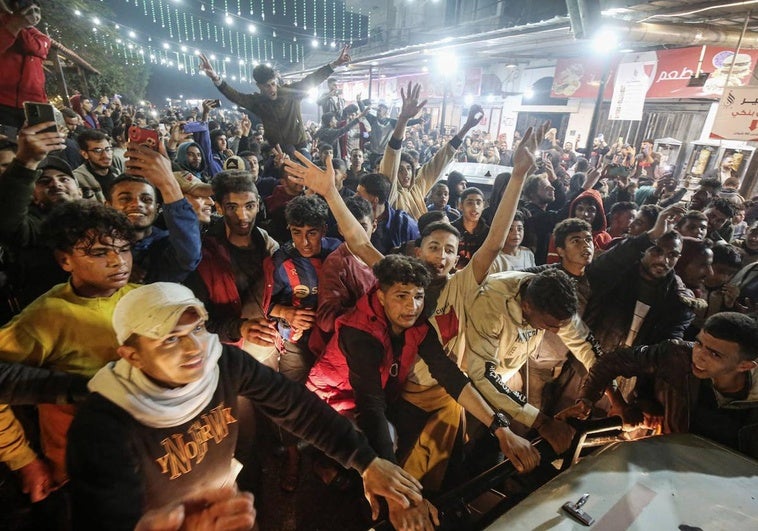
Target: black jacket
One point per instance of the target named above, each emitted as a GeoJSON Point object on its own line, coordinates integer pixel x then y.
{"type": "Point", "coordinates": [119, 467]}
{"type": "Point", "coordinates": [690, 405]}
{"type": "Point", "coordinates": [614, 278]}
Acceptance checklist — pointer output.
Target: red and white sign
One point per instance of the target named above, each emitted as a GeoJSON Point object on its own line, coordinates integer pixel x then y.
{"type": "Point", "coordinates": [676, 66]}
{"type": "Point", "coordinates": [737, 115]}
{"type": "Point", "coordinates": [578, 78]}
{"type": "Point", "coordinates": [669, 73]}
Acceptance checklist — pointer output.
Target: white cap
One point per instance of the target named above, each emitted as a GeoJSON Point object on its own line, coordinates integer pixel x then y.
{"type": "Point", "coordinates": [153, 310]}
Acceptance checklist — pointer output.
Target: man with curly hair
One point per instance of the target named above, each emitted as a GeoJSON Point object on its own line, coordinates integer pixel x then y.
{"type": "Point", "coordinates": [69, 327]}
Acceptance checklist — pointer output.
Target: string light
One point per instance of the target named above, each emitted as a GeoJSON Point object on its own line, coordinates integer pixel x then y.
{"type": "Point", "coordinates": [160, 10]}
{"type": "Point", "coordinates": [279, 42]}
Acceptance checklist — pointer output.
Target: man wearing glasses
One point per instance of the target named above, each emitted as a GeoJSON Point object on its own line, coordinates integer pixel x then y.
{"type": "Point", "coordinates": [100, 167]}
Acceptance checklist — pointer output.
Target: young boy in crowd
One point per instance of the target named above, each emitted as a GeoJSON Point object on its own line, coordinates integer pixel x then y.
{"type": "Point", "coordinates": [694, 224]}
{"type": "Point", "coordinates": [291, 296]}
{"type": "Point", "coordinates": [514, 257]}
{"type": "Point", "coordinates": [292, 272]}
{"type": "Point", "coordinates": [719, 212]}
{"type": "Point", "coordinates": [471, 225]}
{"type": "Point", "coordinates": [709, 387]}
{"type": "Point", "coordinates": [68, 328]}
{"type": "Point", "coordinates": [162, 421]}
{"type": "Point", "coordinates": [587, 206]}
{"type": "Point", "coordinates": [727, 261]}
{"type": "Point", "coordinates": [439, 197]}
{"type": "Point", "coordinates": [620, 218]}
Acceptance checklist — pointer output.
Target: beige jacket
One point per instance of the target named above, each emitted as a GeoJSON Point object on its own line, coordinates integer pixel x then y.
{"type": "Point", "coordinates": [499, 341]}
{"type": "Point", "coordinates": [412, 200]}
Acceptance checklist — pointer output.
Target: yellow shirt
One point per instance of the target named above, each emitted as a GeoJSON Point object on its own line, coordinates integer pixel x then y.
{"type": "Point", "coordinates": [65, 332]}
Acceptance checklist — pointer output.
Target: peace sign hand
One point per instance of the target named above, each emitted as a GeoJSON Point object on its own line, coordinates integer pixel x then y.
{"type": "Point", "coordinates": [207, 67]}
{"type": "Point", "coordinates": [343, 58]}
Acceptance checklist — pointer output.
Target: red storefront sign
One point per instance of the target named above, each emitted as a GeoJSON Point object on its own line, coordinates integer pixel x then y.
{"type": "Point", "coordinates": [580, 77]}
{"type": "Point", "coordinates": [676, 66]}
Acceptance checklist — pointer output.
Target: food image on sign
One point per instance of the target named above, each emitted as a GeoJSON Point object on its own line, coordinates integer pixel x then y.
{"type": "Point", "coordinates": [737, 157]}
{"type": "Point", "coordinates": [701, 163]}
{"type": "Point", "coordinates": [568, 80]}
{"type": "Point", "coordinates": [722, 63]}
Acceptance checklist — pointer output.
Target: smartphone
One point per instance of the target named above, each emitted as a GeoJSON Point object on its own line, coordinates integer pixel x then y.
{"type": "Point", "coordinates": [195, 127]}
{"type": "Point", "coordinates": [145, 137]}
{"type": "Point", "coordinates": [9, 132]}
{"type": "Point", "coordinates": [217, 103]}
{"type": "Point", "coordinates": [37, 113]}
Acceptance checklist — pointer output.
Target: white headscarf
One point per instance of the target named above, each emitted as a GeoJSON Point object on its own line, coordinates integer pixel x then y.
{"type": "Point", "coordinates": [152, 404]}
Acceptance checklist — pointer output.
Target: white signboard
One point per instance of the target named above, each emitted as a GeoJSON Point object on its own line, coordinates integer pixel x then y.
{"type": "Point", "coordinates": [629, 92]}
{"type": "Point", "coordinates": [737, 115]}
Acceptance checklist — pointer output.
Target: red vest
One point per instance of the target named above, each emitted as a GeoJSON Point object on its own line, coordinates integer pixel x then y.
{"type": "Point", "coordinates": [329, 377]}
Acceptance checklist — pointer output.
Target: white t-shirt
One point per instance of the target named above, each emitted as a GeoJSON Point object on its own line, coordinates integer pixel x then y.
{"type": "Point", "coordinates": [523, 259]}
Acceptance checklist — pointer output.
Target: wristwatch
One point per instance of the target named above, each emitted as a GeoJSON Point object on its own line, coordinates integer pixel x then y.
{"type": "Point", "coordinates": [499, 420]}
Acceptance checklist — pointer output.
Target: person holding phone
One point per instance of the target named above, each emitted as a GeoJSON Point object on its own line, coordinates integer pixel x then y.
{"type": "Point", "coordinates": [23, 48]}
{"type": "Point", "coordinates": [27, 199]}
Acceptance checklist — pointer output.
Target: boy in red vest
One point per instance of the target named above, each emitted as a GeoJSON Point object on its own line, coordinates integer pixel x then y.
{"type": "Point", "coordinates": [380, 340]}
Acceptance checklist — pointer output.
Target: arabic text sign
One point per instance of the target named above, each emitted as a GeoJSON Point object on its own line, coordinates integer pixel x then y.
{"type": "Point", "coordinates": [629, 92]}
{"type": "Point", "coordinates": [737, 115]}
{"type": "Point", "coordinates": [676, 66]}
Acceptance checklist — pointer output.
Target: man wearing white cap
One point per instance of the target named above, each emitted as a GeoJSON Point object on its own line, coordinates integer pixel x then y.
{"type": "Point", "coordinates": [162, 421]}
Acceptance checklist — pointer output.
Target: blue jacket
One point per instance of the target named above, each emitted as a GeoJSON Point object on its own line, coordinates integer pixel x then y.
{"type": "Point", "coordinates": [169, 255]}
{"type": "Point", "coordinates": [398, 228]}
{"type": "Point", "coordinates": [287, 271]}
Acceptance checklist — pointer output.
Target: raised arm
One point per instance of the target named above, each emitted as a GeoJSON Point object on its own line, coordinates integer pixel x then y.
{"type": "Point", "coordinates": [243, 100]}
{"type": "Point", "coordinates": [524, 160]}
{"type": "Point", "coordinates": [322, 182]}
{"type": "Point", "coordinates": [184, 253]}
{"type": "Point", "coordinates": [390, 162]}
{"type": "Point", "coordinates": [16, 226]}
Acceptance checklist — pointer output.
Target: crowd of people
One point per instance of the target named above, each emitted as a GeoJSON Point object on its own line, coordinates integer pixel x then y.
{"type": "Point", "coordinates": [162, 292]}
